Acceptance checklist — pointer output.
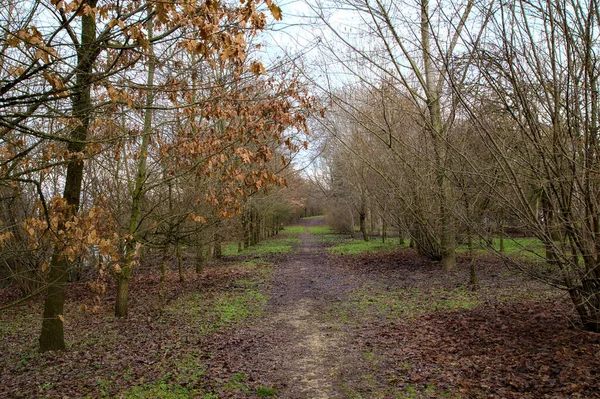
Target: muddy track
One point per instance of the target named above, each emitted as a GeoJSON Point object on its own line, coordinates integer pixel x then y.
{"type": "Point", "coordinates": [296, 348]}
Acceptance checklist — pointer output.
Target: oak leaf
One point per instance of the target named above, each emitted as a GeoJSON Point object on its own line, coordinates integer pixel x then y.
{"type": "Point", "coordinates": [257, 68]}
{"type": "Point", "coordinates": [55, 81]}
{"type": "Point", "coordinates": [197, 218]}
{"type": "Point", "coordinates": [275, 11]}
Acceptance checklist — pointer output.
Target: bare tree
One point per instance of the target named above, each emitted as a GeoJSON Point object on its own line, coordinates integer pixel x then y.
{"type": "Point", "coordinates": [414, 58]}
{"type": "Point", "coordinates": [538, 71]}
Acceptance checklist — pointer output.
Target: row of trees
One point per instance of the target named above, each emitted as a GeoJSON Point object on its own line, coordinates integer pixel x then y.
{"type": "Point", "coordinates": [457, 118]}
{"type": "Point", "coordinates": [132, 125]}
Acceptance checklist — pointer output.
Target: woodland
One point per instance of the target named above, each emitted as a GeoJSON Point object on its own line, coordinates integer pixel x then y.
{"type": "Point", "coordinates": [314, 199]}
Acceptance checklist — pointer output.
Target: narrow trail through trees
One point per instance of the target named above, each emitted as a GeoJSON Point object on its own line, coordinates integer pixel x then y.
{"type": "Point", "coordinates": [297, 346]}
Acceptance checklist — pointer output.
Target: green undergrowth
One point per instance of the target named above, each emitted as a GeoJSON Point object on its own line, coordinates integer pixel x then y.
{"type": "Point", "coordinates": [525, 247]}
{"type": "Point", "coordinates": [170, 387]}
{"type": "Point", "coordinates": [166, 390]}
{"type": "Point", "coordinates": [377, 383]}
{"type": "Point", "coordinates": [210, 311]}
{"type": "Point", "coordinates": [529, 248]}
{"type": "Point", "coordinates": [294, 230]}
{"type": "Point", "coordinates": [321, 230]}
{"type": "Point", "coordinates": [373, 301]}
{"type": "Point", "coordinates": [313, 217]}
{"type": "Point", "coordinates": [281, 244]}
{"type": "Point", "coordinates": [20, 324]}
{"type": "Point", "coordinates": [376, 301]}
{"type": "Point", "coordinates": [355, 246]}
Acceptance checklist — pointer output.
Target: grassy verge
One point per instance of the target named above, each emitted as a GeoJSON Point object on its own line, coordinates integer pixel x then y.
{"type": "Point", "coordinates": [314, 217]}
{"type": "Point", "coordinates": [206, 313]}
{"type": "Point", "coordinates": [355, 246]}
{"type": "Point", "coordinates": [284, 243]}
{"type": "Point", "coordinates": [235, 386]}
{"type": "Point", "coordinates": [528, 247]}
{"type": "Point", "coordinates": [320, 230]}
{"type": "Point", "coordinates": [374, 302]}
{"type": "Point", "coordinates": [294, 230]}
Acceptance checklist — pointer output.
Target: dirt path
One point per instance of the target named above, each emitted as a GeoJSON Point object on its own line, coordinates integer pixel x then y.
{"type": "Point", "coordinates": [296, 348]}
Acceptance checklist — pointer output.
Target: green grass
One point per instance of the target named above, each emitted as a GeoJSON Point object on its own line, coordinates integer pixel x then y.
{"type": "Point", "coordinates": [229, 248]}
{"type": "Point", "coordinates": [529, 247]}
{"type": "Point", "coordinates": [372, 301]}
{"type": "Point", "coordinates": [170, 386]}
{"type": "Point", "coordinates": [285, 242]}
{"type": "Point", "coordinates": [265, 392]}
{"type": "Point", "coordinates": [278, 245]}
{"type": "Point", "coordinates": [293, 230]}
{"type": "Point", "coordinates": [320, 230]}
{"type": "Point", "coordinates": [166, 390]}
{"type": "Point", "coordinates": [357, 246]}
{"type": "Point", "coordinates": [236, 384]}
{"type": "Point", "coordinates": [208, 312]}
{"type": "Point", "coordinates": [314, 217]}
{"type": "Point", "coordinates": [214, 311]}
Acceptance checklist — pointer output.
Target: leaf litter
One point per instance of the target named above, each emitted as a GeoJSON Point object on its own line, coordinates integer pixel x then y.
{"type": "Point", "coordinates": [381, 325]}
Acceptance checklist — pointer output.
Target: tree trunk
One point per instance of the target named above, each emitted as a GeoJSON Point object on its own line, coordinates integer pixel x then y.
{"type": "Point", "coordinates": [587, 304]}
{"type": "Point", "coordinates": [52, 337]}
{"type": "Point", "coordinates": [138, 192]}
{"type": "Point", "coordinates": [473, 282]}
{"type": "Point", "coordinates": [426, 242]}
{"type": "Point", "coordinates": [122, 297]}
{"type": "Point", "coordinates": [502, 230]}
{"type": "Point", "coordinates": [52, 334]}
{"type": "Point", "coordinates": [363, 226]}
{"type": "Point", "coordinates": [400, 234]}
{"type": "Point", "coordinates": [163, 271]}
{"type": "Point", "coordinates": [180, 264]}
{"type": "Point", "coordinates": [246, 229]}
{"type": "Point", "coordinates": [200, 257]}
{"type": "Point", "coordinates": [255, 228]}
{"type": "Point", "coordinates": [448, 238]}
{"type": "Point", "coordinates": [217, 250]}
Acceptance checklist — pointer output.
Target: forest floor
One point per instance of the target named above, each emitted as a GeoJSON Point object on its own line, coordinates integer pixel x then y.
{"type": "Point", "coordinates": [309, 324]}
